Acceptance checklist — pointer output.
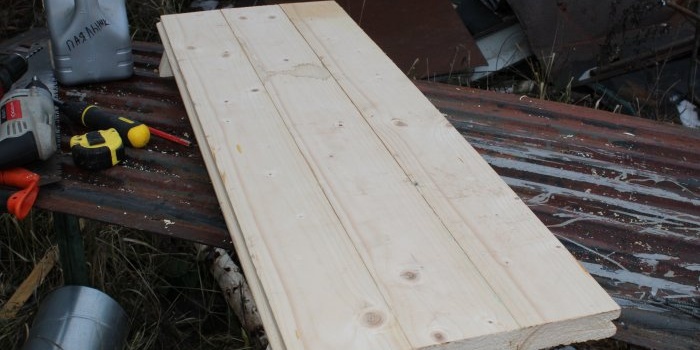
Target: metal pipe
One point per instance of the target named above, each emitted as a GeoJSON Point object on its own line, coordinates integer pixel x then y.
{"type": "Point", "coordinates": [640, 61]}
{"type": "Point", "coordinates": [647, 58]}
{"type": "Point", "coordinates": [690, 14]}
{"type": "Point", "coordinates": [78, 317]}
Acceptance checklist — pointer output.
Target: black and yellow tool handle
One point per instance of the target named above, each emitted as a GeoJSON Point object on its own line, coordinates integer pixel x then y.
{"type": "Point", "coordinates": [133, 133]}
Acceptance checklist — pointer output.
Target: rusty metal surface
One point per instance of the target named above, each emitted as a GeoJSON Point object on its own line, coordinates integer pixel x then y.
{"type": "Point", "coordinates": [163, 188]}
{"type": "Point", "coordinates": [572, 36]}
{"type": "Point", "coordinates": [423, 38]}
{"type": "Point", "coordinates": [622, 193]}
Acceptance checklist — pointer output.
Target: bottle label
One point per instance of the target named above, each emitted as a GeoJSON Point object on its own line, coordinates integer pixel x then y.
{"type": "Point", "coordinates": [90, 31]}
{"type": "Point", "coordinates": [10, 111]}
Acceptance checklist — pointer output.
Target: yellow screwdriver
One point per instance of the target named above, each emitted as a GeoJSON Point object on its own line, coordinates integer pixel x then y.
{"type": "Point", "coordinates": [133, 133]}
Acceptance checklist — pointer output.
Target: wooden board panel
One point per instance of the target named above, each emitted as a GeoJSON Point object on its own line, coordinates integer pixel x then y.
{"type": "Point", "coordinates": [365, 219]}
{"type": "Point", "coordinates": [485, 216]}
{"type": "Point", "coordinates": [298, 249]}
{"type": "Point", "coordinates": [381, 209]}
{"type": "Point", "coordinates": [261, 302]}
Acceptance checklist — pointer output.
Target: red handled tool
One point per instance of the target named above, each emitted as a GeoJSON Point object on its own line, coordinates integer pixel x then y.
{"type": "Point", "coordinates": [169, 137]}
{"type": "Point", "coordinates": [18, 202]}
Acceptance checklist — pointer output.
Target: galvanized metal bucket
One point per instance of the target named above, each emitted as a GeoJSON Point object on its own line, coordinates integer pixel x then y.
{"type": "Point", "coordinates": [78, 317]}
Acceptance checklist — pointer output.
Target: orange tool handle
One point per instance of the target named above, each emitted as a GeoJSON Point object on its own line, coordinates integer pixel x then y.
{"type": "Point", "coordinates": [19, 203]}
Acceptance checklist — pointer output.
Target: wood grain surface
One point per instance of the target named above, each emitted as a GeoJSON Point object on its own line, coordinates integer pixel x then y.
{"type": "Point", "coordinates": [364, 218]}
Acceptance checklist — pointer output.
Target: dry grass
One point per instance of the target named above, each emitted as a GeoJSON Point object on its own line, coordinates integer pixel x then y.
{"type": "Point", "coordinates": [22, 244]}
{"type": "Point", "coordinates": [143, 16]}
{"type": "Point", "coordinates": [18, 15]}
{"type": "Point", "coordinates": [171, 299]}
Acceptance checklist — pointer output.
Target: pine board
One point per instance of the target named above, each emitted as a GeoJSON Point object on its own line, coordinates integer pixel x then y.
{"type": "Point", "coordinates": [363, 218]}
{"type": "Point", "coordinates": [244, 257]}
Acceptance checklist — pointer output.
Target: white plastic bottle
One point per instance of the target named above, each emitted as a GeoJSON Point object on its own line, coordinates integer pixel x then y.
{"type": "Point", "coordinates": [90, 40]}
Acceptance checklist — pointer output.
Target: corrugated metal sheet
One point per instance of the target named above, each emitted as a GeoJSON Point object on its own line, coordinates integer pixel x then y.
{"type": "Point", "coordinates": [163, 188]}
{"type": "Point", "coordinates": [622, 193]}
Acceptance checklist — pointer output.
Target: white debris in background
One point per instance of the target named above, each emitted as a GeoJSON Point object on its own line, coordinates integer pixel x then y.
{"type": "Point", "coordinates": [687, 111]}
{"type": "Point", "coordinates": [205, 5]}
{"type": "Point", "coordinates": [502, 49]}
{"type": "Point", "coordinates": [587, 74]}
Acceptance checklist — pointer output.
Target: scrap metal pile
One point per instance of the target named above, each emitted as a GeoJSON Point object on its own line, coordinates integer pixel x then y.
{"type": "Point", "coordinates": [632, 57]}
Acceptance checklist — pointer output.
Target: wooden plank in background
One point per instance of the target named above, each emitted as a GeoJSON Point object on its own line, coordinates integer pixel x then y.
{"type": "Point", "coordinates": [29, 285]}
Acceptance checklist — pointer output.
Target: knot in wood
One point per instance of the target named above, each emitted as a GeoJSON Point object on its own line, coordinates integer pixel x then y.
{"type": "Point", "coordinates": [439, 336]}
{"type": "Point", "coordinates": [373, 319]}
{"type": "Point", "coordinates": [398, 122]}
{"type": "Point", "coordinates": [410, 275]}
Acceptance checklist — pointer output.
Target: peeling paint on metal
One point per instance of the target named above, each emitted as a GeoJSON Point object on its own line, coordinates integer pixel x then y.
{"type": "Point", "coordinates": [641, 280]}
{"type": "Point", "coordinates": [616, 184]}
{"type": "Point", "coordinates": [645, 214]}
{"type": "Point", "coordinates": [626, 206]}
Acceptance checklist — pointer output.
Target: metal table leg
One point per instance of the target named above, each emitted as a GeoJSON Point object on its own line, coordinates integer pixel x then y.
{"type": "Point", "coordinates": [71, 249]}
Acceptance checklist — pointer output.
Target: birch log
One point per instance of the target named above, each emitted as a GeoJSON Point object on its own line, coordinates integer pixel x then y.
{"type": "Point", "coordinates": [236, 291]}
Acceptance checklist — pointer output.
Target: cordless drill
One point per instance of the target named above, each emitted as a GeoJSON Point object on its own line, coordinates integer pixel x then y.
{"type": "Point", "coordinates": [27, 125]}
